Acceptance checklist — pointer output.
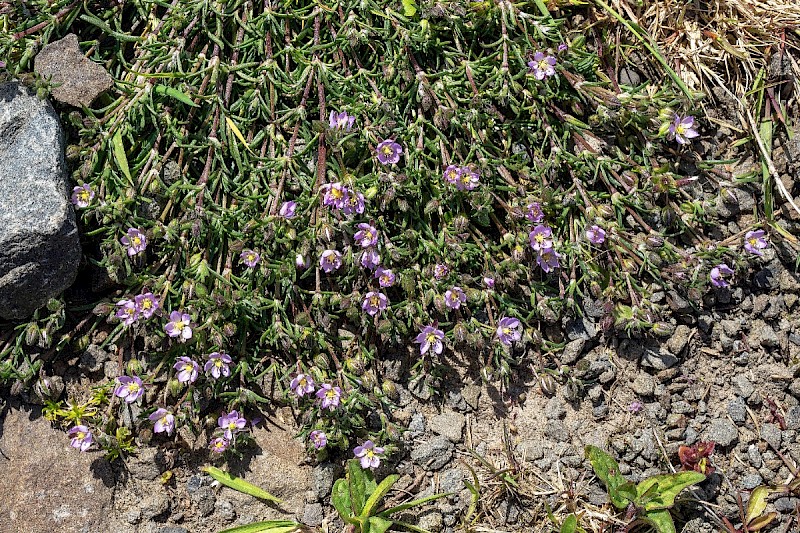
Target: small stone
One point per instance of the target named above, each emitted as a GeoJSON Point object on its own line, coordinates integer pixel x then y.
{"type": "Point", "coordinates": [448, 424]}
{"type": "Point", "coordinates": [723, 432]}
{"type": "Point", "coordinates": [743, 387]}
{"type": "Point", "coordinates": [313, 514]}
{"type": "Point", "coordinates": [431, 521]}
{"type": "Point", "coordinates": [146, 465]}
{"type": "Point", "coordinates": [628, 76]}
{"type": "Point", "coordinates": [679, 340]}
{"type": "Point", "coordinates": [434, 454]}
{"type": "Point", "coordinates": [754, 456]}
{"type": "Point", "coordinates": [555, 430]}
{"type": "Point", "coordinates": [786, 504]}
{"type": "Point", "coordinates": [451, 480]}
{"type": "Point", "coordinates": [154, 505]}
{"type": "Point", "coordinates": [572, 351]}
{"type": "Point", "coordinates": [555, 409]}
{"type": "Point", "coordinates": [792, 418]}
{"type": "Point", "coordinates": [322, 479]}
{"type": "Point", "coordinates": [417, 424]}
{"type": "Point", "coordinates": [737, 410]}
{"type": "Point", "coordinates": [78, 80]}
{"type": "Point", "coordinates": [472, 394]}
{"type": "Point", "coordinates": [194, 483]}
{"type": "Point", "coordinates": [530, 450]}
{"type": "Point", "coordinates": [772, 434]}
{"type": "Point", "coordinates": [204, 500]}
{"type": "Point", "coordinates": [678, 303]}
{"type": "Point", "coordinates": [225, 510]}
{"type": "Point", "coordinates": [658, 359]}
{"type": "Point", "coordinates": [93, 358]}
{"type": "Point", "coordinates": [643, 385]}
{"type": "Point", "coordinates": [751, 481]}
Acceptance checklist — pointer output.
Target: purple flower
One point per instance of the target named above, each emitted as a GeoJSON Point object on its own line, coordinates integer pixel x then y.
{"type": "Point", "coordinates": [329, 395]}
{"type": "Point", "coordinates": [127, 312]}
{"type": "Point", "coordinates": [135, 241]}
{"type": "Point", "coordinates": [300, 262]}
{"type": "Point", "coordinates": [318, 438]}
{"type": "Point", "coordinates": [366, 235]}
{"type": "Point", "coordinates": [509, 330]}
{"type": "Point", "coordinates": [146, 304]}
{"type": "Point", "coordinates": [218, 364]}
{"type": "Point", "coordinates": [341, 121]}
{"type": "Point", "coordinates": [596, 234]}
{"type": "Point", "coordinates": [563, 47]}
{"type": "Point", "coordinates": [129, 389]}
{"type": "Point", "coordinates": [682, 129]}
{"type": "Point", "coordinates": [164, 421]}
{"type": "Point", "coordinates": [718, 273]}
{"type": "Point", "coordinates": [287, 209]}
{"type": "Point", "coordinates": [219, 444]}
{"type": "Point", "coordinates": [370, 259]}
{"type": "Point", "coordinates": [452, 174]}
{"type": "Point", "coordinates": [82, 195]}
{"type": "Point", "coordinates": [430, 337]}
{"type": "Point", "coordinates": [232, 423]}
{"type": "Point", "coordinates": [755, 241]}
{"type": "Point", "coordinates": [302, 384]}
{"type": "Point", "coordinates": [489, 282]}
{"type": "Point", "coordinates": [547, 259]}
{"type": "Point", "coordinates": [179, 325]}
{"type": "Point", "coordinates": [468, 180]}
{"type": "Point", "coordinates": [354, 204]}
{"type": "Point", "coordinates": [335, 195]}
{"type": "Point", "coordinates": [187, 369]}
{"type": "Point", "coordinates": [250, 258]}
{"type": "Point", "coordinates": [542, 65]}
{"type": "Point", "coordinates": [81, 438]}
{"type": "Point", "coordinates": [541, 237]}
{"type": "Point", "coordinates": [389, 152]}
{"type": "Point", "coordinates": [330, 260]}
{"type": "Point", "coordinates": [534, 212]}
{"type": "Point", "coordinates": [635, 406]}
{"type": "Point", "coordinates": [454, 297]}
{"type": "Point", "coordinates": [369, 454]}
{"type": "Point", "coordinates": [385, 277]}
{"type": "Point", "coordinates": [374, 303]}
{"type": "Point", "coordinates": [440, 270]}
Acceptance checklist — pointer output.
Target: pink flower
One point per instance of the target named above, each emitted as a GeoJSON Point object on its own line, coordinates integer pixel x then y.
{"type": "Point", "coordinates": [302, 384]}
{"type": "Point", "coordinates": [81, 438]}
{"type": "Point", "coordinates": [179, 325]}
{"type": "Point", "coordinates": [129, 389]}
{"type": "Point", "coordinates": [135, 241]}
{"type": "Point", "coordinates": [330, 396]}
{"type": "Point", "coordinates": [318, 438]}
{"type": "Point", "coordinates": [82, 195]}
{"type": "Point", "coordinates": [217, 364]}
{"type": "Point", "coordinates": [164, 421]}
{"type": "Point", "coordinates": [188, 370]}
{"type": "Point", "coordinates": [369, 454]}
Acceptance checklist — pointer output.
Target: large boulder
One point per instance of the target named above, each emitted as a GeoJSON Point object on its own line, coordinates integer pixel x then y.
{"type": "Point", "coordinates": [39, 245]}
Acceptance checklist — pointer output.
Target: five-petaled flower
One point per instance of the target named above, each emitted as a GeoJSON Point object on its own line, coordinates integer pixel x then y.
{"type": "Point", "coordinates": [135, 241]}
{"type": "Point", "coordinates": [146, 304]}
{"type": "Point", "coordinates": [541, 237]}
{"type": "Point", "coordinates": [127, 312]}
{"type": "Point", "coordinates": [250, 258]}
{"type": "Point", "coordinates": [534, 212]}
{"type": "Point", "coordinates": [218, 364]}
{"type": "Point", "coordinates": [489, 282]}
{"type": "Point", "coordinates": [374, 303]}
{"type": "Point", "coordinates": [82, 195]}
{"type": "Point", "coordinates": [81, 438]}
{"type": "Point", "coordinates": [452, 174]}
{"type": "Point", "coordinates": [468, 179]}
{"type": "Point", "coordinates": [287, 209]}
{"type": "Point", "coordinates": [302, 384]}
{"type": "Point", "coordinates": [596, 234]}
{"type": "Point", "coordinates": [318, 438]}
{"type": "Point", "coordinates": [129, 389]}
{"type": "Point", "coordinates": [542, 66]}
{"type": "Point", "coordinates": [370, 259]}
{"type": "Point", "coordinates": [547, 259]}
{"type": "Point", "coordinates": [329, 395]}
{"type": "Point", "coordinates": [454, 297]}
{"type": "Point", "coordinates": [430, 338]}
{"type": "Point", "coordinates": [341, 121]}
{"type": "Point", "coordinates": [369, 454]}
{"type": "Point", "coordinates": [219, 444]}
{"type": "Point", "coordinates": [330, 260]}
{"type": "Point", "coordinates": [187, 369]}
{"type": "Point", "coordinates": [231, 423]}
{"type": "Point", "coordinates": [385, 277]}
{"type": "Point", "coordinates": [354, 203]}
{"type": "Point", "coordinates": [440, 270]}
{"type": "Point", "coordinates": [509, 330]}
{"type": "Point", "coordinates": [718, 274]}
{"type": "Point", "coordinates": [335, 195]}
{"type": "Point", "coordinates": [179, 325]}
{"type": "Point", "coordinates": [366, 235]}
{"type": "Point", "coordinates": [682, 129]}
{"type": "Point", "coordinates": [755, 241]}
{"type": "Point", "coordinates": [163, 421]}
{"type": "Point", "coordinates": [389, 152]}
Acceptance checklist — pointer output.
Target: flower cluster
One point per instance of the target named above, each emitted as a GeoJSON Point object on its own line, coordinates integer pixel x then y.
{"type": "Point", "coordinates": [143, 306]}
{"type": "Point", "coordinates": [463, 178]}
{"type": "Point", "coordinates": [367, 238]}
{"type": "Point", "coordinates": [231, 424]}
{"type": "Point", "coordinates": [328, 395]}
{"type": "Point", "coordinates": [341, 198]}
{"type": "Point", "coordinates": [541, 239]}
{"type": "Point", "coordinates": [341, 121]}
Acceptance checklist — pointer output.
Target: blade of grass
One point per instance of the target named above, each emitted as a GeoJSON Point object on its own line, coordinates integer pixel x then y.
{"type": "Point", "coordinates": [269, 526]}
{"type": "Point", "coordinates": [239, 484]}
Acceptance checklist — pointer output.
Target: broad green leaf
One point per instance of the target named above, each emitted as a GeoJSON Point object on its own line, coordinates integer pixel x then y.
{"type": "Point", "coordinates": [663, 489]}
{"type": "Point", "coordinates": [378, 524]}
{"type": "Point", "coordinates": [627, 490]}
{"type": "Point", "coordinates": [380, 492]}
{"type": "Point", "coordinates": [358, 481]}
{"type": "Point", "coordinates": [119, 155]}
{"type": "Point", "coordinates": [660, 520]}
{"type": "Point", "coordinates": [413, 503]}
{"type": "Point", "coordinates": [607, 470]}
{"type": "Point", "coordinates": [269, 526]}
{"type": "Point", "coordinates": [761, 522]}
{"type": "Point", "coordinates": [757, 503]}
{"type": "Point", "coordinates": [239, 484]}
{"type": "Point", "coordinates": [174, 93]}
{"type": "Point", "coordinates": [340, 497]}
{"type": "Point", "coordinates": [570, 524]}
{"type": "Point", "coordinates": [409, 8]}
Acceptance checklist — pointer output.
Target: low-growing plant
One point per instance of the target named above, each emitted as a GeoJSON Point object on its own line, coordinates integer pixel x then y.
{"type": "Point", "coordinates": [754, 518]}
{"type": "Point", "coordinates": [357, 498]}
{"type": "Point", "coordinates": [696, 457]}
{"type": "Point", "coordinates": [648, 501]}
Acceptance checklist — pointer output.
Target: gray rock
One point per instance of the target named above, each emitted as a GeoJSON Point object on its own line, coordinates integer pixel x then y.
{"type": "Point", "coordinates": [194, 483]}
{"type": "Point", "coordinates": [530, 450]}
{"type": "Point", "coordinates": [658, 359]}
{"type": "Point", "coordinates": [93, 358]}
{"type": "Point", "coordinates": [204, 500]}
{"type": "Point", "coordinates": [772, 434]}
{"type": "Point", "coordinates": [145, 466]}
{"type": "Point", "coordinates": [154, 505]}
{"type": "Point", "coordinates": [448, 424]}
{"type": "Point", "coordinates": [434, 454]}
{"type": "Point", "coordinates": [754, 456]}
{"type": "Point", "coordinates": [322, 478]}
{"type": "Point", "coordinates": [431, 521]}
{"type": "Point", "coordinates": [555, 409]}
{"type": "Point", "coordinates": [793, 418]}
{"type": "Point", "coordinates": [751, 481]}
{"type": "Point", "coordinates": [417, 424]}
{"type": "Point", "coordinates": [743, 387]}
{"type": "Point", "coordinates": [225, 510]}
{"type": "Point", "coordinates": [723, 432]}
{"type": "Point", "coordinates": [313, 514]}
{"type": "Point", "coordinates": [786, 505]}
{"type": "Point", "coordinates": [80, 80]}
{"type": "Point", "coordinates": [628, 76]}
{"type": "Point", "coordinates": [555, 430]}
{"type": "Point", "coordinates": [572, 351]}
{"type": "Point", "coordinates": [698, 525]}
{"type": "Point", "coordinates": [472, 394]}
{"type": "Point", "coordinates": [679, 340]}
{"type": "Point", "coordinates": [451, 480]}
{"type": "Point", "coordinates": [39, 246]}
{"type": "Point", "coordinates": [643, 384]}
{"type": "Point", "coordinates": [737, 410]}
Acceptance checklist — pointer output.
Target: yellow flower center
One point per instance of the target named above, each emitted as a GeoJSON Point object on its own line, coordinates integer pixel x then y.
{"type": "Point", "coordinates": [137, 241]}
{"type": "Point", "coordinates": [232, 424]}
{"type": "Point", "coordinates": [164, 420]}
{"type": "Point", "coordinates": [370, 454]}
{"type": "Point", "coordinates": [506, 331]}
{"type": "Point", "coordinates": [431, 338]}
{"type": "Point", "coordinates": [303, 382]}
{"type": "Point", "coordinates": [753, 241]}
{"type": "Point", "coordinates": [680, 129]}
{"type": "Point", "coordinates": [80, 435]}
{"type": "Point", "coordinates": [147, 303]}
{"type": "Point", "coordinates": [387, 150]}
{"type": "Point", "coordinates": [218, 363]}
{"type": "Point", "coordinates": [337, 193]}
{"type": "Point", "coordinates": [187, 367]}
{"type": "Point", "coordinates": [539, 238]}
{"type": "Point", "coordinates": [130, 311]}
{"type": "Point", "coordinates": [374, 300]}
{"type": "Point", "coordinates": [543, 64]}
{"type": "Point", "coordinates": [331, 394]}
{"type": "Point", "coordinates": [133, 388]}
{"type": "Point", "coordinates": [83, 196]}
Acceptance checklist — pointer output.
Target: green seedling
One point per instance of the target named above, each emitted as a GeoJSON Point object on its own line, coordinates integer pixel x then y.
{"type": "Point", "coordinates": [650, 500]}
{"type": "Point", "coordinates": [357, 498]}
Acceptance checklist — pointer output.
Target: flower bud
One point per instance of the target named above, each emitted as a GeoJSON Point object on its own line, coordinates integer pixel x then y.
{"type": "Point", "coordinates": [174, 388]}
{"type": "Point", "coordinates": [134, 367]}
{"type": "Point", "coordinates": [662, 329]}
{"type": "Point", "coordinates": [355, 365]}
{"type": "Point", "coordinates": [548, 385]}
{"type": "Point", "coordinates": [389, 388]}
{"type": "Point", "coordinates": [460, 332]}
